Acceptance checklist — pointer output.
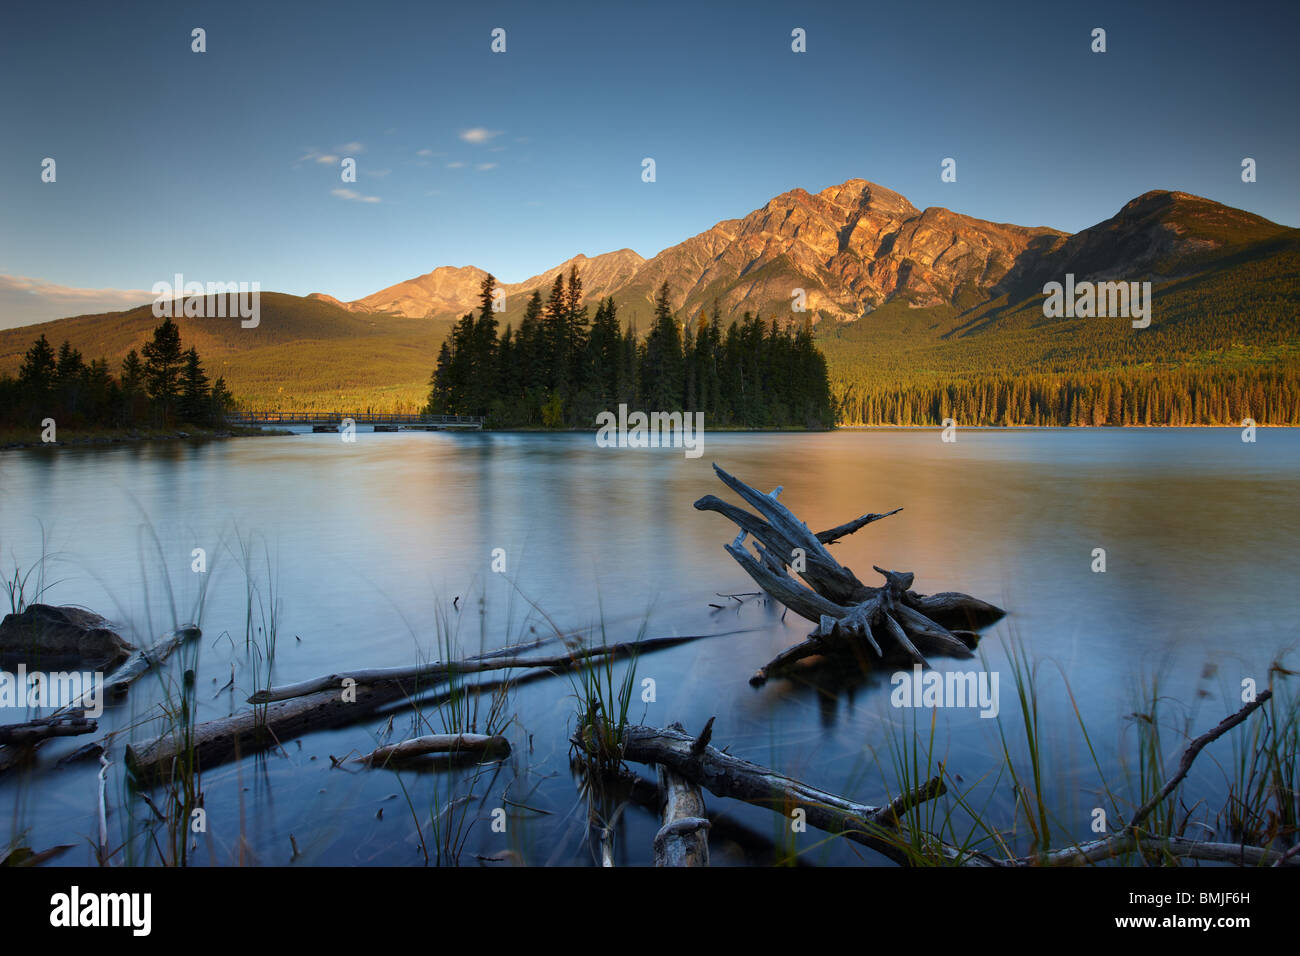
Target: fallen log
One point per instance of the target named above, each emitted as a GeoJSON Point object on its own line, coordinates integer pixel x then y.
{"type": "Point", "coordinates": [683, 840]}
{"type": "Point", "coordinates": [878, 827]}
{"type": "Point", "coordinates": [394, 754]}
{"type": "Point", "coordinates": [146, 659]}
{"type": "Point", "coordinates": [438, 672]}
{"type": "Point", "coordinates": [339, 701]}
{"type": "Point", "coordinates": [649, 796]}
{"type": "Point", "coordinates": [216, 741]}
{"type": "Point", "coordinates": [733, 777]}
{"type": "Point", "coordinates": [32, 731]}
{"type": "Point", "coordinates": [889, 624]}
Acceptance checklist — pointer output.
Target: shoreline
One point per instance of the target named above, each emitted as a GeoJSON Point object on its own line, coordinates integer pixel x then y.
{"type": "Point", "coordinates": [123, 437]}
{"type": "Point", "coordinates": [129, 436]}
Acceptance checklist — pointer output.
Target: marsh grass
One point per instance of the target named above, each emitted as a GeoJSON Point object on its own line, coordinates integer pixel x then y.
{"type": "Point", "coordinates": [19, 585]}
{"type": "Point", "coordinates": [180, 795]}
{"type": "Point", "coordinates": [603, 704]}
{"type": "Point", "coordinates": [604, 698]}
{"type": "Point", "coordinates": [464, 705]}
{"type": "Point", "coordinates": [1263, 805]}
{"type": "Point", "coordinates": [1261, 785]}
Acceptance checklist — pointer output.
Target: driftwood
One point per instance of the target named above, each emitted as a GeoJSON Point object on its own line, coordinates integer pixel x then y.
{"type": "Point", "coordinates": [726, 776]}
{"type": "Point", "coordinates": [878, 827]}
{"type": "Point", "coordinates": [683, 840]}
{"type": "Point", "coordinates": [140, 662]}
{"type": "Point", "coordinates": [395, 754]}
{"type": "Point", "coordinates": [891, 624]}
{"type": "Point", "coordinates": [441, 671]}
{"type": "Point", "coordinates": [340, 700]}
{"type": "Point", "coordinates": [146, 659]}
{"type": "Point", "coordinates": [34, 731]}
{"type": "Point", "coordinates": [650, 796]}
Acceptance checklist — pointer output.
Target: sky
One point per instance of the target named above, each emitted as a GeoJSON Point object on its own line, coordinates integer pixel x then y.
{"type": "Point", "coordinates": [225, 165]}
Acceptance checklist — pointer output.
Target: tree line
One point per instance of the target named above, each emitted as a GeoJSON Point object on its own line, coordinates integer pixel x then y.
{"type": "Point", "coordinates": [160, 386]}
{"type": "Point", "coordinates": [562, 366]}
{"type": "Point", "coordinates": [1189, 396]}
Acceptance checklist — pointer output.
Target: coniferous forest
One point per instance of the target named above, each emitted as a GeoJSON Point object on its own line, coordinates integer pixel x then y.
{"type": "Point", "coordinates": [161, 386]}
{"type": "Point", "coordinates": [562, 366]}
{"type": "Point", "coordinates": [1178, 397]}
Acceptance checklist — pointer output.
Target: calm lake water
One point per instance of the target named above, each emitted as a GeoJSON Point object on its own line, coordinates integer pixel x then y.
{"type": "Point", "coordinates": [369, 543]}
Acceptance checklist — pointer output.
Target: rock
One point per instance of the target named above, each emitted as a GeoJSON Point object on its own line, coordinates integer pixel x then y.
{"type": "Point", "coordinates": [44, 637]}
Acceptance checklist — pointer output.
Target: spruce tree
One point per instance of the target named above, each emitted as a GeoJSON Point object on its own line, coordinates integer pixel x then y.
{"type": "Point", "coordinates": [195, 406]}
{"type": "Point", "coordinates": [38, 368]}
{"type": "Point", "coordinates": [162, 366]}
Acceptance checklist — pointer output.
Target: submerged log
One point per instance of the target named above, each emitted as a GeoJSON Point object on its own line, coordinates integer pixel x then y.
{"type": "Point", "coordinates": [395, 754]}
{"type": "Point", "coordinates": [32, 731]}
{"type": "Point", "coordinates": [217, 741]}
{"type": "Point", "coordinates": [889, 624]}
{"type": "Point", "coordinates": [146, 659]}
{"type": "Point", "coordinates": [437, 672]}
{"type": "Point", "coordinates": [340, 700]}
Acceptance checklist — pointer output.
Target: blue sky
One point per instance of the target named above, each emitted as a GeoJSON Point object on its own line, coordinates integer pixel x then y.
{"type": "Point", "coordinates": [217, 165]}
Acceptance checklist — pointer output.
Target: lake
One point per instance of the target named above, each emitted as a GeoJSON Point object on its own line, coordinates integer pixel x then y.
{"type": "Point", "coordinates": [371, 544]}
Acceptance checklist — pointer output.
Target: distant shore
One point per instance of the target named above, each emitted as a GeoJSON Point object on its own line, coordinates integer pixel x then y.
{"type": "Point", "coordinates": [14, 438]}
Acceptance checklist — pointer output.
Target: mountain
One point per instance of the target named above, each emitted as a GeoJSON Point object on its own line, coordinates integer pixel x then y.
{"type": "Point", "coordinates": [900, 295]}
{"type": "Point", "coordinates": [855, 247]}
{"type": "Point", "coordinates": [450, 291]}
{"type": "Point", "coordinates": [851, 248]}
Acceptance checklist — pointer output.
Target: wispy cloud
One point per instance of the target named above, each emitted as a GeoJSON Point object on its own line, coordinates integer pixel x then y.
{"type": "Point", "coordinates": [456, 165]}
{"type": "Point", "coordinates": [353, 196]}
{"type": "Point", "coordinates": [377, 173]}
{"type": "Point", "coordinates": [479, 134]}
{"type": "Point", "coordinates": [315, 155]}
{"type": "Point", "coordinates": [486, 166]}
{"type": "Point", "coordinates": [25, 300]}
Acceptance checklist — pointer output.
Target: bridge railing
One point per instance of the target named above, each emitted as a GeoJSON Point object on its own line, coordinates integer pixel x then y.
{"type": "Point", "coordinates": [360, 418]}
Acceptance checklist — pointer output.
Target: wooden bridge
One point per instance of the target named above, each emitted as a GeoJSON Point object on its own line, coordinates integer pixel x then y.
{"type": "Point", "coordinates": [382, 421]}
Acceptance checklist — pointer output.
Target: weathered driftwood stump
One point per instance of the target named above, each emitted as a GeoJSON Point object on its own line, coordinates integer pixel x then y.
{"type": "Point", "coordinates": [889, 624]}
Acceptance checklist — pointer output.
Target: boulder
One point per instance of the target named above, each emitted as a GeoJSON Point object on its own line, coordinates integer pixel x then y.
{"type": "Point", "coordinates": [44, 637]}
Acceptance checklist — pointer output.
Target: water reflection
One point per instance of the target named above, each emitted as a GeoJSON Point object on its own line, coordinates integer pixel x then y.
{"type": "Point", "coordinates": [372, 541]}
